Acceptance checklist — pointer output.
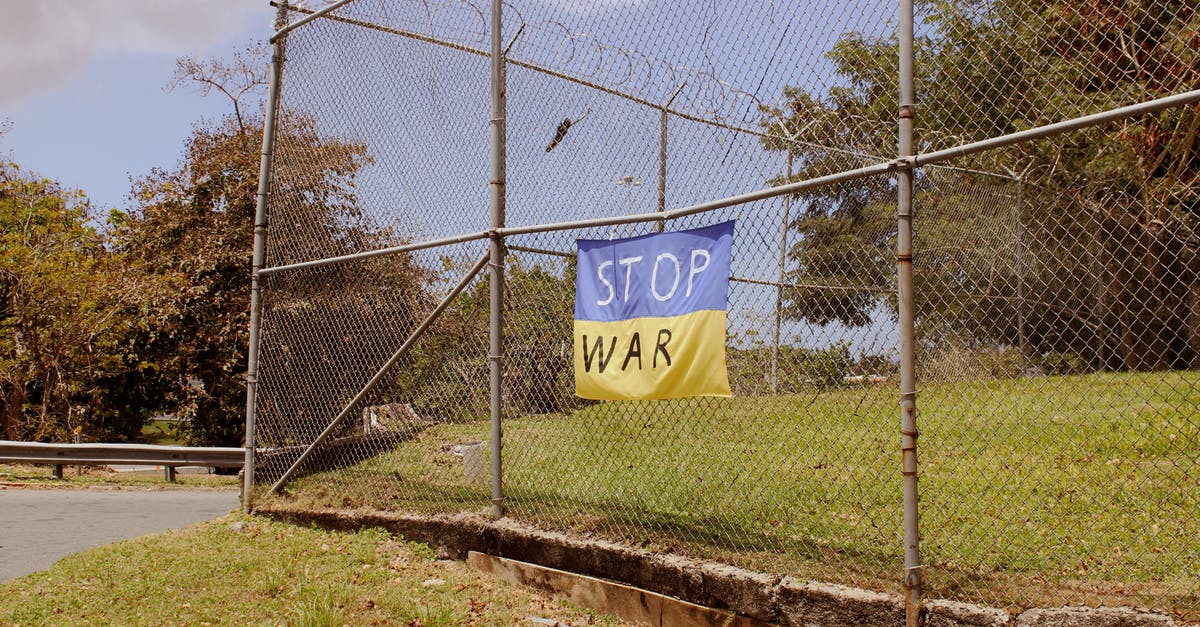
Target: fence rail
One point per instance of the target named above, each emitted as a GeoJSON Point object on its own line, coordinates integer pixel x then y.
{"type": "Point", "coordinates": [974, 219]}
{"type": "Point", "coordinates": [169, 457]}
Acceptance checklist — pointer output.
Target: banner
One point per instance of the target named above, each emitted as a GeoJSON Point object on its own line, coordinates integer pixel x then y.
{"type": "Point", "coordinates": [650, 315]}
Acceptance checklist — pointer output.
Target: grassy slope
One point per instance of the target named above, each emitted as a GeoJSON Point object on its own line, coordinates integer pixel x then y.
{"type": "Point", "coordinates": [1034, 491]}
{"type": "Point", "coordinates": [246, 571]}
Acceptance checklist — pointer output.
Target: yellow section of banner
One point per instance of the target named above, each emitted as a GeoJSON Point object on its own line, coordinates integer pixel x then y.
{"type": "Point", "coordinates": [652, 358]}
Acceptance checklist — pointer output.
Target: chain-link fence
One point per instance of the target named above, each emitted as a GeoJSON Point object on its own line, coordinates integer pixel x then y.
{"type": "Point", "coordinates": [1052, 337]}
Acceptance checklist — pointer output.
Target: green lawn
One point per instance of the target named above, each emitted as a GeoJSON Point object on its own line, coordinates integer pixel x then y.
{"type": "Point", "coordinates": [161, 432]}
{"type": "Point", "coordinates": [1039, 491]}
{"type": "Point", "coordinates": [253, 571]}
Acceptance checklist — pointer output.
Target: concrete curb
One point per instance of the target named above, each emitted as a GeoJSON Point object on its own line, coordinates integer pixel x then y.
{"type": "Point", "coordinates": [632, 604]}
{"type": "Point", "coordinates": [762, 597]}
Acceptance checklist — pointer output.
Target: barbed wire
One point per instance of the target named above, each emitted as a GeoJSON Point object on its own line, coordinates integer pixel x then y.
{"type": "Point", "coordinates": [698, 94]}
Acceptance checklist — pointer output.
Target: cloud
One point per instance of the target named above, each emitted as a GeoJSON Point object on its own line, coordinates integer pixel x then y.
{"type": "Point", "coordinates": [45, 43]}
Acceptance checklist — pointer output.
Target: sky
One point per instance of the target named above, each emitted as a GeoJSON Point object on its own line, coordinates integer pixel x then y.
{"type": "Point", "coordinates": [83, 84]}
{"type": "Point", "coordinates": [84, 100]}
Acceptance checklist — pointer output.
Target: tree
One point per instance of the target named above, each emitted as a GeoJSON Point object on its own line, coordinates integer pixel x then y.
{"type": "Point", "coordinates": [195, 225]}
{"type": "Point", "coordinates": [539, 311]}
{"type": "Point", "coordinates": [71, 315]}
{"type": "Point", "coordinates": [1111, 227]}
{"type": "Point", "coordinates": [239, 79]}
{"type": "Point", "coordinates": [446, 375]}
{"type": "Point", "coordinates": [842, 261]}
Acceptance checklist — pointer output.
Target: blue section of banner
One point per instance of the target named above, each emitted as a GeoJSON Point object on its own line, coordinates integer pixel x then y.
{"type": "Point", "coordinates": [657, 275]}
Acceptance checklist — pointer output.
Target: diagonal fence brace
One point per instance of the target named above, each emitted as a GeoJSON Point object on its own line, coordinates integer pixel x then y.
{"type": "Point", "coordinates": [308, 18]}
{"type": "Point", "coordinates": [417, 334]}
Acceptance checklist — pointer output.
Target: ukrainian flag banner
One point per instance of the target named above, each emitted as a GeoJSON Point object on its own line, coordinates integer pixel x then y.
{"type": "Point", "coordinates": [650, 315]}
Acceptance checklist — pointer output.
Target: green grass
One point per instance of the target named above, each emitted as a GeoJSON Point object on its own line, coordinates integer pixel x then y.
{"type": "Point", "coordinates": [40, 476]}
{"type": "Point", "coordinates": [247, 571]}
{"type": "Point", "coordinates": [161, 432]}
{"type": "Point", "coordinates": [1040, 491]}
{"type": "Point", "coordinates": [1072, 487]}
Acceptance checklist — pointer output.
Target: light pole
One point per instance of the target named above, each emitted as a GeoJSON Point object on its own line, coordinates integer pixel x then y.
{"type": "Point", "coordinates": [629, 182]}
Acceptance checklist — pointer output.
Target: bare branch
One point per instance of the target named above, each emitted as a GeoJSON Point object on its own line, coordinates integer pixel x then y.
{"type": "Point", "coordinates": [245, 74]}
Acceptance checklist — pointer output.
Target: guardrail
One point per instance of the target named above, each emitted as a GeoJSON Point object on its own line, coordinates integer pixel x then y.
{"type": "Point", "coordinates": [169, 457]}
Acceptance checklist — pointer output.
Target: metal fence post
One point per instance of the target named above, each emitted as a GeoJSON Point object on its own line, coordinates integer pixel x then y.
{"type": "Point", "coordinates": [662, 167]}
{"type": "Point", "coordinates": [260, 244]}
{"type": "Point", "coordinates": [662, 157]}
{"type": "Point", "coordinates": [496, 295]}
{"type": "Point", "coordinates": [1022, 343]}
{"type": "Point", "coordinates": [904, 265]}
{"type": "Point", "coordinates": [783, 244]}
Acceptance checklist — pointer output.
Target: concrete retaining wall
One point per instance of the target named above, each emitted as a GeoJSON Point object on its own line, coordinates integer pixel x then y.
{"type": "Point", "coordinates": [762, 597]}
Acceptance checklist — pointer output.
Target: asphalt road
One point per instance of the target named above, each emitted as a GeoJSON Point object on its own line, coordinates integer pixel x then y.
{"type": "Point", "coordinates": [40, 527]}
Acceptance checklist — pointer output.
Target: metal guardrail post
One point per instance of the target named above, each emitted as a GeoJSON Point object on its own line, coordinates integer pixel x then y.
{"type": "Point", "coordinates": [78, 440]}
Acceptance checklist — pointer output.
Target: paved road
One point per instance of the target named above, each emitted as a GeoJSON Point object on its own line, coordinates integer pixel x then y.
{"type": "Point", "coordinates": [40, 527]}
